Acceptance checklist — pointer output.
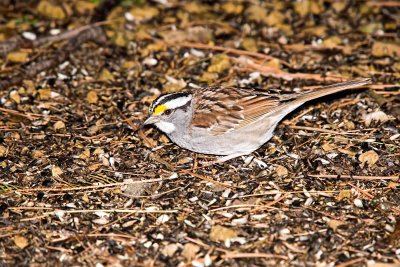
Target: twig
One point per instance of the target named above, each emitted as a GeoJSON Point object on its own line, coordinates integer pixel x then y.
{"type": "Point", "coordinates": [239, 206]}
{"type": "Point", "coordinates": [268, 71]}
{"type": "Point", "coordinates": [356, 177]}
{"type": "Point", "coordinates": [228, 50]}
{"type": "Point", "coordinates": [252, 255]}
{"type": "Point", "coordinates": [350, 262]}
{"type": "Point", "coordinates": [316, 130]}
{"type": "Point", "coordinates": [50, 189]}
{"type": "Point", "coordinates": [208, 179]}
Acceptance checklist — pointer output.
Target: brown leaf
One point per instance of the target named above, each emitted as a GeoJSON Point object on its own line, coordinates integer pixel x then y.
{"type": "Point", "coordinates": [380, 49]}
{"type": "Point", "coordinates": [378, 116]}
{"type": "Point", "coordinates": [305, 7]}
{"type": "Point", "coordinates": [59, 125]}
{"type": "Point", "coordinates": [327, 147]}
{"type": "Point", "coordinates": [343, 194]}
{"type": "Point", "coordinates": [144, 12]}
{"type": "Point", "coordinates": [221, 233]}
{"type": "Point", "coordinates": [45, 93]}
{"type": "Point", "coordinates": [169, 250]}
{"type": "Point", "coordinates": [106, 75]}
{"type": "Point", "coordinates": [219, 63]}
{"type": "Point", "coordinates": [18, 56]}
{"type": "Point", "coordinates": [256, 13]}
{"type": "Point", "coordinates": [281, 171]}
{"type": "Point", "coordinates": [250, 44]}
{"type": "Point", "coordinates": [84, 6]}
{"type": "Point", "coordinates": [190, 250]}
{"type": "Point", "coordinates": [232, 7]}
{"type": "Point", "coordinates": [37, 154]}
{"type": "Point", "coordinates": [21, 241]}
{"type": "Point", "coordinates": [85, 154]}
{"type": "Point", "coordinates": [370, 157]}
{"type": "Point", "coordinates": [92, 97]}
{"type": "Point", "coordinates": [50, 10]}
{"type": "Point", "coordinates": [3, 151]}
{"type": "Point", "coordinates": [56, 171]}
{"type": "Point", "coordinates": [334, 224]}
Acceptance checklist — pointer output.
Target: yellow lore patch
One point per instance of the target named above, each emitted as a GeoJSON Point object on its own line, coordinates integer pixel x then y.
{"type": "Point", "coordinates": [159, 109]}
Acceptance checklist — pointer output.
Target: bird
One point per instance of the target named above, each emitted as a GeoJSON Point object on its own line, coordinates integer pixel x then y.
{"type": "Point", "coordinates": [228, 121]}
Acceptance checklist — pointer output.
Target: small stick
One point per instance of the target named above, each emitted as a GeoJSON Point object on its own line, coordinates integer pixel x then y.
{"type": "Point", "coordinates": [208, 179]}
{"type": "Point", "coordinates": [356, 177]}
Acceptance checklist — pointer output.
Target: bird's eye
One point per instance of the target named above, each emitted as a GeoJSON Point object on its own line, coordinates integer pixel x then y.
{"type": "Point", "coordinates": [168, 112]}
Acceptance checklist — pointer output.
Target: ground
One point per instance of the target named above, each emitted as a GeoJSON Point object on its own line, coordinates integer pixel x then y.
{"type": "Point", "coordinates": [82, 184]}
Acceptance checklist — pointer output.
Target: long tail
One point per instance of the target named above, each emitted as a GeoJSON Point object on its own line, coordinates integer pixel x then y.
{"type": "Point", "coordinates": [331, 89]}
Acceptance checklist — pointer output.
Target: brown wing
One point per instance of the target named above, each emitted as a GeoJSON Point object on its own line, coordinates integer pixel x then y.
{"type": "Point", "coordinates": [236, 108]}
{"type": "Point", "coordinates": [240, 107]}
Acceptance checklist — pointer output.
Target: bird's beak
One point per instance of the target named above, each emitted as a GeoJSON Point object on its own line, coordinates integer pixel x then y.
{"type": "Point", "coordinates": [151, 120]}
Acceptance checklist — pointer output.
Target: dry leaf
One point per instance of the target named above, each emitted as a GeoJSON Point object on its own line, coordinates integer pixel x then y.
{"type": "Point", "coordinates": [18, 56]}
{"type": "Point", "coordinates": [338, 6]}
{"type": "Point", "coordinates": [163, 218]}
{"type": "Point", "coordinates": [378, 116]}
{"type": "Point", "coordinates": [92, 97]}
{"type": "Point", "coordinates": [380, 49]}
{"type": "Point", "coordinates": [275, 18]}
{"type": "Point", "coordinates": [249, 44]}
{"type": "Point", "coordinates": [15, 96]}
{"type": "Point", "coordinates": [327, 147]}
{"type": "Point", "coordinates": [208, 77]}
{"type": "Point", "coordinates": [45, 93]}
{"type": "Point", "coordinates": [343, 194]}
{"type": "Point", "coordinates": [346, 151]}
{"type": "Point", "coordinates": [85, 154]}
{"type": "Point", "coordinates": [94, 167]}
{"type": "Point", "coordinates": [219, 63]}
{"type": "Point", "coordinates": [85, 198]}
{"type": "Point", "coordinates": [304, 7]}
{"type": "Point", "coordinates": [232, 7]}
{"type": "Point", "coordinates": [174, 85]}
{"type": "Point", "coordinates": [281, 171]}
{"type": "Point", "coordinates": [101, 221]}
{"type": "Point", "coordinates": [84, 6]}
{"type": "Point", "coordinates": [50, 10]}
{"type": "Point", "coordinates": [133, 189]}
{"type": "Point", "coordinates": [195, 7]}
{"type": "Point", "coordinates": [334, 224]}
{"type": "Point", "coordinates": [190, 250]}
{"type": "Point", "coordinates": [370, 157]}
{"type": "Point", "coordinates": [221, 233]}
{"type": "Point", "coordinates": [98, 151]}
{"type": "Point", "coordinates": [332, 41]}
{"type": "Point", "coordinates": [144, 13]}
{"type": "Point", "coordinates": [106, 75]}
{"type": "Point", "coordinates": [21, 241]}
{"type": "Point", "coordinates": [37, 154]}
{"type": "Point", "coordinates": [3, 151]}
{"type": "Point", "coordinates": [199, 34]}
{"type": "Point", "coordinates": [169, 250]}
{"type": "Point", "coordinates": [371, 28]}
{"type": "Point", "coordinates": [256, 13]}
{"type": "Point", "coordinates": [56, 171]}
{"type": "Point", "coordinates": [59, 125]}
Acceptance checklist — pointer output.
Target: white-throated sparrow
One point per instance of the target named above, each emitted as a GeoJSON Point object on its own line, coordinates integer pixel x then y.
{"type": "Point", "coordinates": [229, 121]}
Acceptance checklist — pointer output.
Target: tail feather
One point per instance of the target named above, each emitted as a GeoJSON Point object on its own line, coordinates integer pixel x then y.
{"type": "Point", "coordinates": [331, 89]}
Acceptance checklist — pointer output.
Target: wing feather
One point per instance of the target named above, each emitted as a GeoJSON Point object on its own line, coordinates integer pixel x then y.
{"type": "Point", "coordinates": [236, 108]}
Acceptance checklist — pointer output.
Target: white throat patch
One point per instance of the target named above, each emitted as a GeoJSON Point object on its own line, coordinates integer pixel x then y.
{"type": "Point", "coordinates": [166, 127]}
